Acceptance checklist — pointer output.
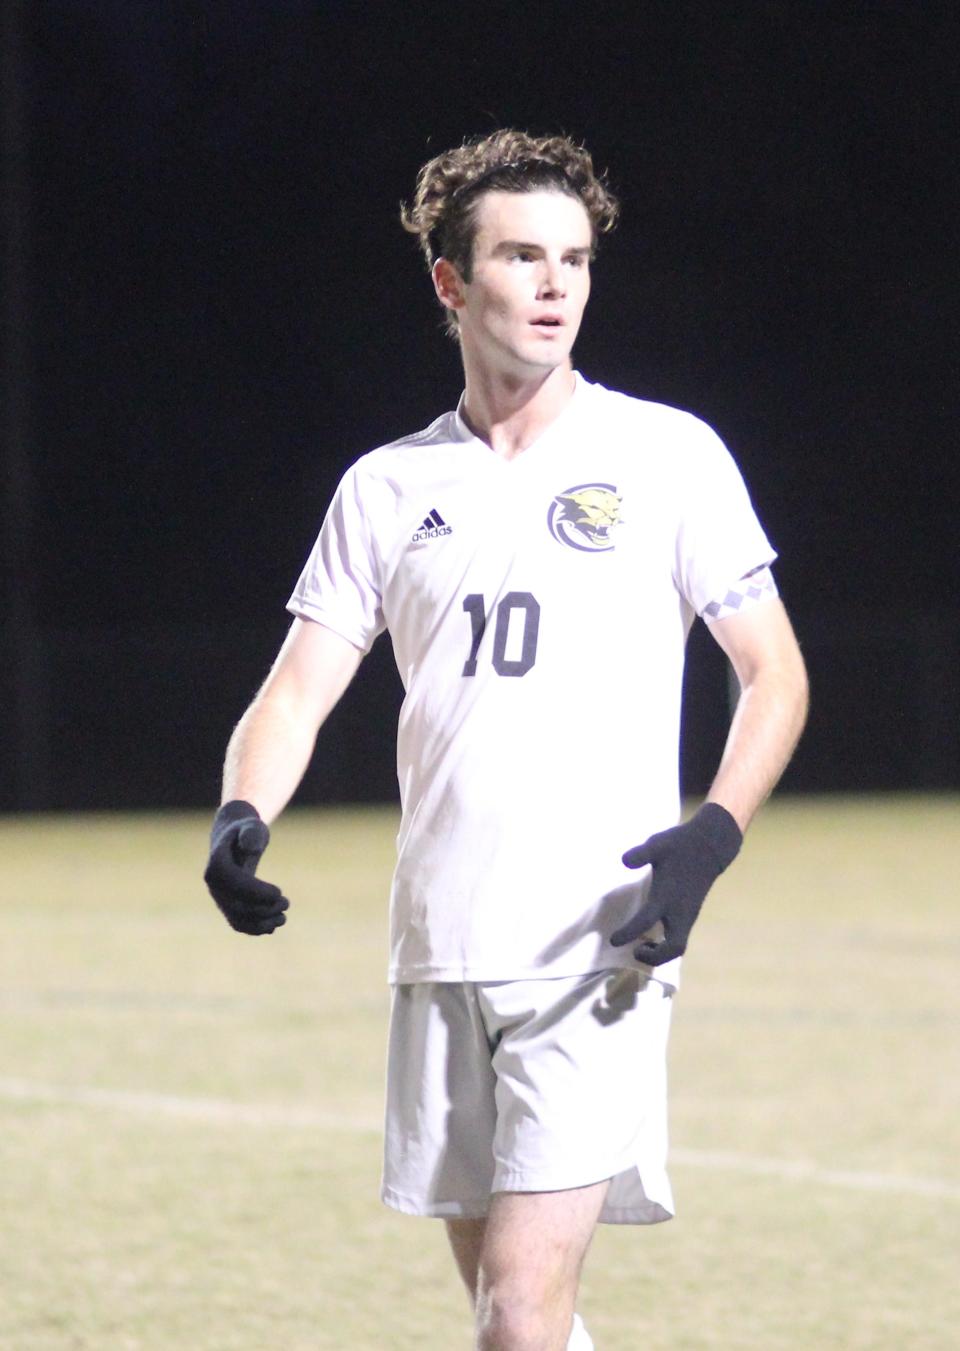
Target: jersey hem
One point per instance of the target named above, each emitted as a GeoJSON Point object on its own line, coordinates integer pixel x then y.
{"type": "Point", "coordinates": [458, 975]}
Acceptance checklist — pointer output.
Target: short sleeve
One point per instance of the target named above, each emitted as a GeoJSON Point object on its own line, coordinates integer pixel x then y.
{"type": "Point", "coordinates": [719, 538]}
{"type": "Point", "coordinates": [339, 586]}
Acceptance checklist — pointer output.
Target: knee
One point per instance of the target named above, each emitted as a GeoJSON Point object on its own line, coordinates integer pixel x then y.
{"type": "Point", "coordinates": [515, 1316]}
{"type": "Point", "coordinates": [508, 1323]}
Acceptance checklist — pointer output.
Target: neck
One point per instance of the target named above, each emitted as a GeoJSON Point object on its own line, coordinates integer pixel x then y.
{"type": "Point", "coordinates": [510, 413]}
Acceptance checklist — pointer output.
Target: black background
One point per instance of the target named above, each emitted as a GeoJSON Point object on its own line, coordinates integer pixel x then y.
{"type": "Point", "coordinates": [223, 313]}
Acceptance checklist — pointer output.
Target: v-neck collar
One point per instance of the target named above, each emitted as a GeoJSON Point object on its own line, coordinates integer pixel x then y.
{"type": "Point", "coordinates": [559, 424]}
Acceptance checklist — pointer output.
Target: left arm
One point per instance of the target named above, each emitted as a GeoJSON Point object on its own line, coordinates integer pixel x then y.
{"type": "Point", "coordinates": [770, 712]}
{"type": "Point", "coordinates": [687, 859]}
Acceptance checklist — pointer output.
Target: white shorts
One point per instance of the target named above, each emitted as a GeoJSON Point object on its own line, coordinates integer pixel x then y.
{"type": "Point", "coordinates": [531, 1085]}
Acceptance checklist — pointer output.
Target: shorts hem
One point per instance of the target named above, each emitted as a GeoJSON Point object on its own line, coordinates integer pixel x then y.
{"type": "Point", "coordinates": [525, 1182]}
{"type": "Point", "coordinates": [435, 1210]}
{"type": "Point", "coordinates": [654, 1212]}
{"type": "Point", "coordinates": [644, 1210]}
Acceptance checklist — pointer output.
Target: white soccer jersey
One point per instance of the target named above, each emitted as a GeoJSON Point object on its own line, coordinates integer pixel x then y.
{"type": "Point", "coordinates": [539, 609]}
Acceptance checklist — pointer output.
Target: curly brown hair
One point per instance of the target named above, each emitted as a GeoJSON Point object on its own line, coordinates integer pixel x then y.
{"type": "Point", "coordinates": [443, 212]}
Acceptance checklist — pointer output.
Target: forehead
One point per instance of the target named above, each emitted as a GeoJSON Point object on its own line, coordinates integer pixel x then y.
{"type": "Point", "coordinates": [543, 217]}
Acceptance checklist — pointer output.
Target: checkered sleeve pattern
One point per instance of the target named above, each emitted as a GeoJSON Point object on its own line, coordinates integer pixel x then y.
{"type": "Point", "coordinates": [758, 585]}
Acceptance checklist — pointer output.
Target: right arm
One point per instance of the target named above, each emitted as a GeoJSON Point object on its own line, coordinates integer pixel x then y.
{"type": "Point", "coordinates": [271, 745]}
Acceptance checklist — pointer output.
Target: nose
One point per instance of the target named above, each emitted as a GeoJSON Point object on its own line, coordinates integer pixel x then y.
{"type": "Point", "coordinates": [552, 283]}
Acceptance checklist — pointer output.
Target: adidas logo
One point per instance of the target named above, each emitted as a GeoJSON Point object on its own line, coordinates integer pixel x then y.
{"type": "Point", "coordinates": [433, 527]}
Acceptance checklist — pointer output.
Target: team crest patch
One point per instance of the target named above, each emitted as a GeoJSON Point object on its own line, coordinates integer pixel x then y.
{"type": "Point", "coordinates": [585, 516]}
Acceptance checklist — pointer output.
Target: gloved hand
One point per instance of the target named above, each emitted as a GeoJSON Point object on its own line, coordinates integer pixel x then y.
{"type": "Point", "coordinates": [237, 842]}
{"type": "Point", "coordinates": [686, 861]}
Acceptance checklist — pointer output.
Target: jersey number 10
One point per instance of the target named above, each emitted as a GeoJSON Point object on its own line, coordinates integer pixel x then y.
{"type": "Point", "coordinates": [502, 664]}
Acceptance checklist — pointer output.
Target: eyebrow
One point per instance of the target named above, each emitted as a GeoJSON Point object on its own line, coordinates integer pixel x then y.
{"type": "Point", "coordinates": [582, 250]}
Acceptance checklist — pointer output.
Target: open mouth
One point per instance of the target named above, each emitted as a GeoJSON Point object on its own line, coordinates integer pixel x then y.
{"type": "Point", "coordinates": [547, 323]}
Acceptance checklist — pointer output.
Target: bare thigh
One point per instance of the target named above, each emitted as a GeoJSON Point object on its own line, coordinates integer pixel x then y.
{"type": "Point", "coordinates": [466, 1240]}
{"type": "Point", "coordinates": [531, 1245]}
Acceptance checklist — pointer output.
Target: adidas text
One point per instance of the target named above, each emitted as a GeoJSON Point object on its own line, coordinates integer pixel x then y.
{"type": "Point", "coordinates": [434, 533]}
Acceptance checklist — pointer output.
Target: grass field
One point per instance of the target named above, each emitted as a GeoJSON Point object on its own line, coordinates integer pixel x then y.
{"type": "Point", "coordinates": [189, 1150]}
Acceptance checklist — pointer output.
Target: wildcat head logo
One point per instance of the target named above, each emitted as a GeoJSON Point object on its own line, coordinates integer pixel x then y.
{"type": "Point", "coordinates": [584, 517]}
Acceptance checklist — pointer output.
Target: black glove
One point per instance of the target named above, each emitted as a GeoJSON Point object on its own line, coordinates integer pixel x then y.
{"type": "Point", "coordinates": [686, 861]}
{"type": "Point", "coordinates": [237, 842]}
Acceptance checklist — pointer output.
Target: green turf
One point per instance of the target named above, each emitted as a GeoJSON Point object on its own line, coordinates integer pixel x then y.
{"type": "Point", "coordinates": [189, 1119]}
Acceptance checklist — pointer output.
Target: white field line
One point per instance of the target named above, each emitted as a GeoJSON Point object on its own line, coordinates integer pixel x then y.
{"type": "Point", "coordinates": [226, 1112]}
{"type": "Point", "coordinates": [805, 1171]}
{"type": "Point", "coordinates": [212, 1110]}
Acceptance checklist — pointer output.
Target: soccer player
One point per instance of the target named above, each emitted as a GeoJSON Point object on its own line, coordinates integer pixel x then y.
{"type": "Point", "coordinates": [537, 556]}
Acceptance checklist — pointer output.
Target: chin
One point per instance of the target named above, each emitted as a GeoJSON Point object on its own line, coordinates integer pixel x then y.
{"type": "Point", "coordinates": [546, 360]}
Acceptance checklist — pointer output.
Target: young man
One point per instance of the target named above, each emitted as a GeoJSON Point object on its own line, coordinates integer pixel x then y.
{"type": "Point", "coordinates": [538, 557]}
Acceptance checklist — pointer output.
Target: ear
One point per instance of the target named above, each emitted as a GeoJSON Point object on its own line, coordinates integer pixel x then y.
{"type": "Point", "coordinates": [448, 284]}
